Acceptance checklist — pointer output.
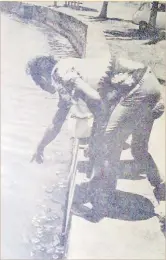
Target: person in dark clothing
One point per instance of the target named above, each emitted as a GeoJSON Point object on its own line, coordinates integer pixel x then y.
{"type": "Point", "coordinates": [123, 96]}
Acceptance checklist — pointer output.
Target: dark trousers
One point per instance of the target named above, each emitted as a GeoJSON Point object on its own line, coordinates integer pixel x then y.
{"type": "Point", "coordinates": [132, 116]}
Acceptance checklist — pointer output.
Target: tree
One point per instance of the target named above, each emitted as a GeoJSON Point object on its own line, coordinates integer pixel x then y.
{"type": "Point", "coordinates": [103, 13]}
{"type": "Point", "coordinates": [55, 4]}
{"type": "Point", "coordinates": [153, 14]}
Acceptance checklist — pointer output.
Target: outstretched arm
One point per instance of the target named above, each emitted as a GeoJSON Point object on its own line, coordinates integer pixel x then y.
{"type": "Point", "coordinates": [51, 132]}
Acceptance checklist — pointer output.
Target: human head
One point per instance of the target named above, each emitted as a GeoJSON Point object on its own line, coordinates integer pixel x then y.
{"type": "Point", "coordinates": [40, 69]}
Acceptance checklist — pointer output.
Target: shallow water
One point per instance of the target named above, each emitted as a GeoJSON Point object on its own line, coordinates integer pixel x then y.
{"type": "Point", "coordinates": [32, 195]}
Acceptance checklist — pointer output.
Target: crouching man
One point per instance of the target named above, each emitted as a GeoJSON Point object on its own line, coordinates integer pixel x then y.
{"type": "Point", "coordinates": [123, 96]}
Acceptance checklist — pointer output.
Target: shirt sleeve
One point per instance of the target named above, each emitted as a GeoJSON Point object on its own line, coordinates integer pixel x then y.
{"type": "Point", "coordinates": [78, 84]}
{"type": "Point", "coordinates": [159, 108]}
{"type": "Point", "coordinates": [80, 89]}
{"type": "Point", "coordinates": [90, 96]}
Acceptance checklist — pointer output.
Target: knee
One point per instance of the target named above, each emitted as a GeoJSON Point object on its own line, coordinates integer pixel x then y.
{"type": "Point", "coordinates": [140, 153]}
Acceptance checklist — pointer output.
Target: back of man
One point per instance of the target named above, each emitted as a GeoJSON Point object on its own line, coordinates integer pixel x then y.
{"type": "Point", "coordinates": [94, 71]}
{"type": "Point", "coordinates": [113, 78]}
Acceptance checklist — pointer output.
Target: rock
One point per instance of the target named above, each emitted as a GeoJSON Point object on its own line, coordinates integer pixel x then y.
{"type": "Point", "coordinates": [59, 249]}
{"type": "Point", "coordinates": [56, 240]}
{"type": "Point", "coordinates": [35, 240]}
{"type": "Point", "coordinates": [50, 250]}
{"type": "Point", "coordinates": [50, 190]}
{"type": "Point", "coordinates": [55, 257]}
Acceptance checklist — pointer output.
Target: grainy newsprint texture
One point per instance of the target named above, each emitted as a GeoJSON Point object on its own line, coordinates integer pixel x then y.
{"type": "Point", "coordinates": [83, 130]}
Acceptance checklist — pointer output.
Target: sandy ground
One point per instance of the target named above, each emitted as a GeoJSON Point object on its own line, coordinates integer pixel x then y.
{"type": "Point", "coordinates": [124, 41]}
{"type": "Point", "coordinates": [31, 217]}
{"type": "Point", "coordinates": [122, 36]}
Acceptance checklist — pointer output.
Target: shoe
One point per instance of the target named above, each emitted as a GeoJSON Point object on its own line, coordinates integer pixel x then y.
{"type": "Point", "coordinates": [80, 210]}
{"type": "Point", "coordinates": [160, 192]}
{"type": "Point", "coordinates": [163, 225]}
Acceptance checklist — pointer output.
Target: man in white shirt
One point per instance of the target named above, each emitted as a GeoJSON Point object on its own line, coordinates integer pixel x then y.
{"type": "Point", "coordinates": [123, 96]}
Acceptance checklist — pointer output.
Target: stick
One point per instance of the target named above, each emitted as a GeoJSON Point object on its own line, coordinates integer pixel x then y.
{"type": "Point", "coordinates": [70, 195]}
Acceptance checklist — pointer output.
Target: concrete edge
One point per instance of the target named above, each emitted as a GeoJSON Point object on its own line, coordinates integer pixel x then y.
{"type": "Point", "coordinates": [87, 39]}
{"type": "Point", "coordinates": [76, 33]}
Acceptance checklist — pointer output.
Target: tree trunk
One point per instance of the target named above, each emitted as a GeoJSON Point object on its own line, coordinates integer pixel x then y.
{"type": "Point", "coordinates": [55, 4]}
{"type": "Point", "coordinates": [103, 13]}
{"type": "Point", "coordinates": [153, 15]}
{"type": "Point", "coordinates": [66, 3]}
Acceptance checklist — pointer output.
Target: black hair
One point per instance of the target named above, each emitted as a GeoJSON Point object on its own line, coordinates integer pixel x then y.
{"type": "Point", "coordinates": [40, 65]}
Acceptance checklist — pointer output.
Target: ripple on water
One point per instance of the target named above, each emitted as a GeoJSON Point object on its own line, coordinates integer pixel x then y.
{"type": "Point", "coordinates": [47, 227]}
{"type": "Point", "coordinates": [32, 39]}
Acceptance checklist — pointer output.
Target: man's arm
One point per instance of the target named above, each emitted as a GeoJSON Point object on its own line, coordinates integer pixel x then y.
{"type": "Point", "coordinates": [95, 104]}
{"type": "Point", "coordinates": [158, 110]}
{"type": "Point", "coordinates": [86, 89]}
{"type": "Point", "coordinates": [52, 131]}
{"type": "Point", "coordinates": [101, 115]}
{"type": "Point", "coordinates": [102, 111]}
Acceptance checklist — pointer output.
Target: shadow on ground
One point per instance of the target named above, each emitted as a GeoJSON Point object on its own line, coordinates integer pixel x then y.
{"type": "Point", "coordinates": [83, 8]}
{"type": "Point", "coordinates": [100, 19]}
{"type": "Point", "coordinates": [154, 36]}
{"type": "Point", "coordinates": [118, 205]}
{"type": "Point", "coordinates": [93, 202]}
{"type": "Point", "coordinates": [134, 34]}
{"type": "Point", "coordinates": [131, 170]}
